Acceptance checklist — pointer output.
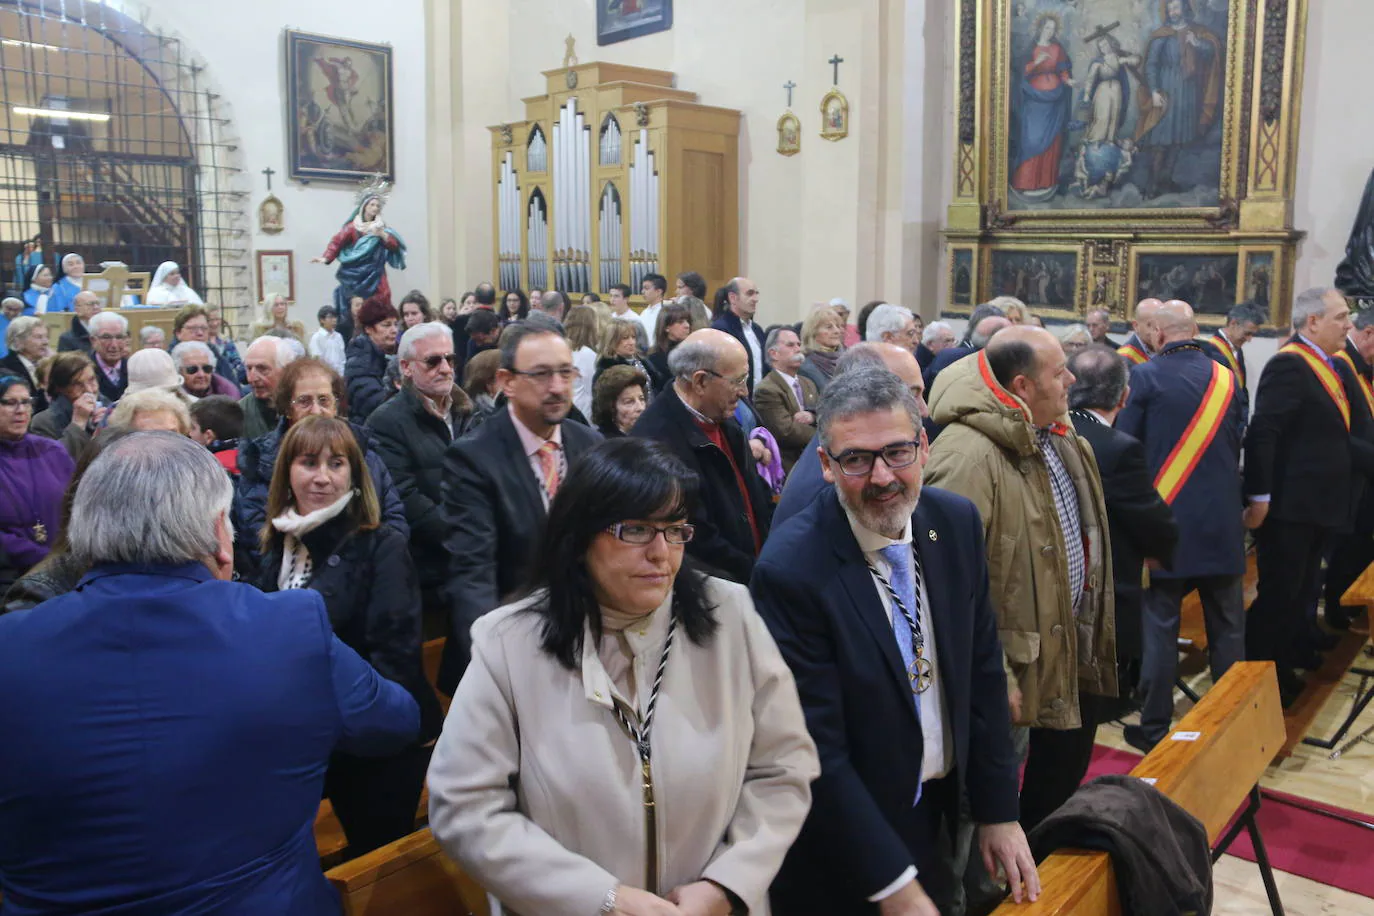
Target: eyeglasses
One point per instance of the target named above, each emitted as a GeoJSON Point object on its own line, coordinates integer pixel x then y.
{"type": "Point", "coordinates": [196, 370]}
{"type": "Point", "coordinates": [16, 403]}
{"type": "Point", "coordinates": [432, 362]}
{"type": "Point", "coordinates": [858, 462]}
{"type": "Point", "coordinates": [306, 401]}
{"type": "Point", "coordinates": [545, 376]}
{"type": "Point", "coordinates": [640, 535]}
{"type": "Point", "coordinates": [741, 382]}
{"type": "Point", "coordinates": [110, 337]}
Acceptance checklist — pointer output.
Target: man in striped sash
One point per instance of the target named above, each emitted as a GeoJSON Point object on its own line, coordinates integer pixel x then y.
{"type": "Point", "coordinates": [1136, 349]}
{"type": "Point", "coordinates": [1227, 345]}
{"type": "Point", "coordinates": [1300, 465]}
{"type": "Point", "coordinates": [1354, 550]}
{"type": "Point", "coordinates": [1186, 409]}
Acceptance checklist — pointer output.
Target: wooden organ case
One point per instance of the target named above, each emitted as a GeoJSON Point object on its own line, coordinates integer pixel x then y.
{"type": "Point", "coordinates": [613, 175]}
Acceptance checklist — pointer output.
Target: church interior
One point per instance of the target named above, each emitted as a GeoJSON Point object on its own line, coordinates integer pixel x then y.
{"type": "Point", "coordinates": [932, 155]}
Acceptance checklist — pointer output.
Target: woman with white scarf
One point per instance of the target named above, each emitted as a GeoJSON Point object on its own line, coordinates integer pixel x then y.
{"type": "Point", "coordinates": [169, 289]}
{"type": "Point", "coordinates": [325, 534]}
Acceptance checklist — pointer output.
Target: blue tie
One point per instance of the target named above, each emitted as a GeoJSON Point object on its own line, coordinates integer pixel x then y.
{"type": "Point", "coordinates": [898, 557]}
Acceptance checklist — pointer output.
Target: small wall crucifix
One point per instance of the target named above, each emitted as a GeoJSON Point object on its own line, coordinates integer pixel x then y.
{"type": "Point", "coordinates": [789, 86]}
{"type": "Point", "coordinates": [269, 172]}
{"type": "Point", "coordinates": [835, 62]}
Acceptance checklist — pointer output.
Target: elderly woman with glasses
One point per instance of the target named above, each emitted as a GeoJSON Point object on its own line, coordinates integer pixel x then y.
{"type": "Point", "coordinates": [195, 360]}
{"type": "Point", "coordinates": [307, 387]}
{"type": "Point", "coordinates": [627, 738]}
{"type": "Point", "coordinates": [74, 409]}
{"type": "Point", "coordinates": [34, 471]}
{"type": "Point", "coordinates": [326, 534]}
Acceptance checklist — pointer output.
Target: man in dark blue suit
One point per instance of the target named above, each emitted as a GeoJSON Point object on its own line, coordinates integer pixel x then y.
{"type": "Point", "coordinates": [1186, 409]}
{"type": "Point", "coordinates": [166, 730]}
{"type": "Point", "coordinates": [1227, 346]}
{"type": "Point", "coordinates": [807, 479]}
{"type": "Point", "coordinates": [877, 594]}
{"type": "Point", "coordinates": [742, 300]}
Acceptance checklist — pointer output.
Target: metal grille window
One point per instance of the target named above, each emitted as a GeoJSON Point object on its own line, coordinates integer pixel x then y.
{"type": "Point", "coordinates": [112, 146]}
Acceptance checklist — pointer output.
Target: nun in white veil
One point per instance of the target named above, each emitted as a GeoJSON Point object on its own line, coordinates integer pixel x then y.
{"type": "Point", "coordinates": [169, 290]}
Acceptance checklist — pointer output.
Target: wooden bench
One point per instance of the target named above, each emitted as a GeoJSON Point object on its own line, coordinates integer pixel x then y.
{"type": "Point", "coordinates": [410, 877]}
{"type": "Point", "coordinates": [1240, 722]}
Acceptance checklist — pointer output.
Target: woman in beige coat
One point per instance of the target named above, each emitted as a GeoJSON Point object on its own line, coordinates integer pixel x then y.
{"type": "Point", "coordinates": [627, 739]}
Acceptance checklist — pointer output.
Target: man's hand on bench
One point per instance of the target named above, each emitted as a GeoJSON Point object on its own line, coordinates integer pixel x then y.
{"type": "Point", "coordinates": [1004, 848]}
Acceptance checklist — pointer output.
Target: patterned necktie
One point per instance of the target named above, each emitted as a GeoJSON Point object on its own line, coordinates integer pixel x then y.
{"type": "Point", "coordinates": [548, 467]}
{"type": "Point", "coordinates": [899, 558]}
{"type": "Point", "coordinates": [796, 387]}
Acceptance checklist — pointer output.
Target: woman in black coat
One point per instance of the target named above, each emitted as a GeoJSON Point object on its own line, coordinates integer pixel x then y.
{"type": "Point", "coordinates": [620, 347]}
{"type": "Point", "coordinates": [326, 534]}
{"type": "Point", "coordinates": [365, 369]}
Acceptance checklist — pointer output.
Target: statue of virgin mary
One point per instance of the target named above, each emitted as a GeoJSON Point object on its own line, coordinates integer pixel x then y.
{"type": "Point", "coordinates": [364, 248]}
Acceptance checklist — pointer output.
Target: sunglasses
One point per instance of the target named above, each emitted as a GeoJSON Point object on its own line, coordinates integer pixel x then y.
{"type": "Point", "coordinates": [432, 362]}
{"type": "Point", "coordinates": [196, 370]}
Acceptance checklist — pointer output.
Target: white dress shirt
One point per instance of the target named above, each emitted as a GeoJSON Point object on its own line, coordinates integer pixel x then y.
{"type": "Point", "coordinates": [649, 318]}
{"type": "Point", "coordinates": [937, 758]}
{"type": "Point", "coordinates": [755, 349]}
{"type": "Point", "coordinates": [531, 445]}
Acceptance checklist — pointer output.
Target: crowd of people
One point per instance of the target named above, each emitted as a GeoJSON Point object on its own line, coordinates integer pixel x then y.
{"type": "Point", "coordinates": [821, 617]}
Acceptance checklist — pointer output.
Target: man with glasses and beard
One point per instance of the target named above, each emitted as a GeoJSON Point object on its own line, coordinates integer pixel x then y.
{"type": "Point", "coordinates": [877, 596]}
{"type": "Point", "coordinates": [500, 480]}
{"type": "Point", "coordinates": [694, 417]}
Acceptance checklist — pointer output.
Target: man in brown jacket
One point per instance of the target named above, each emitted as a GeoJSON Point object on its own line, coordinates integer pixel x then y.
{"type": "Point", "coordinates": [784, 400]}
{"type": "Point", "coordinates": [1008, 448]}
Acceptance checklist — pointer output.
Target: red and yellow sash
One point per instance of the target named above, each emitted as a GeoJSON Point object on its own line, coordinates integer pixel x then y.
{"type": "Point", "coordinates": [1133, 353]}
{"type": "Point", "coordinates": [1224, 345]}
{"type": "Point", "coordinates": [1364, 382]}
{"type": "Point", "coordinates": [1202, 429]}
{"type": "Point", "coordinates": [1325, 374]}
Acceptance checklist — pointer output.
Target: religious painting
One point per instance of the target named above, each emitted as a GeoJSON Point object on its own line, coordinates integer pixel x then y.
{"type": "Point", "coordinates": [339, 110]}
{"type": "Point", "coordinates": [1116, 104]}
{"type": "Point", "coordinates": [834, 115]}
{"type": "Point", "coordinates": [1207, 282]}
{"type": "Point", "coordinates": [271, 216]}
{"type": "Point", "coordinates": [618, 20]}
{"type": "Point", "coordinates": [1259, 279]}
{"type": "Point", "coordinates": [961, 276]}
{"type": "Point", "coordinates": [1039, 278]}
{"type": "Point", "coordinates": [789, 135]}
{"type": "Point", "coordinates": [276, 275]}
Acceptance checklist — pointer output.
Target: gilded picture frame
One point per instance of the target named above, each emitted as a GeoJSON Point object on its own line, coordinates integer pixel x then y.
{"type": "Point", "coordinates": [1207, 277]}
{"type": "Point", "coordinates": [789, 135]}
{"type": "Point", "coordinates": [276, 272]}
{"type": "Point", "coordinates": [340, 122]}
{"type": "Point", "coordinates": [1049, 278]}
{"type": "Point", "coordinates": [834, 115]}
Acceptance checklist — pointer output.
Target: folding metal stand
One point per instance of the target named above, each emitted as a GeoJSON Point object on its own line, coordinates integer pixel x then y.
{"type": "Point", "coordinates": [1247, 822]}
{"type": "Point", "coordinates": [1363, 696]}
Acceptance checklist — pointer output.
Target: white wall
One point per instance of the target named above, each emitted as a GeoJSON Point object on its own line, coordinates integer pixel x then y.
{"type": "Point", "coordinates": [241, 42]}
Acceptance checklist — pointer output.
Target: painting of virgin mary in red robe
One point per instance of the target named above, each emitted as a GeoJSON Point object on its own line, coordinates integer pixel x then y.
{"type": "Point", "coordinates": [1045, 97]}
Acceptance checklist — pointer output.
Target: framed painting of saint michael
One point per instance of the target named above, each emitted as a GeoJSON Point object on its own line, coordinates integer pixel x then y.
{"type": "Point", "coordinates": [339, 110]}
{"type": "Point", "coordinates": [1117, 105]}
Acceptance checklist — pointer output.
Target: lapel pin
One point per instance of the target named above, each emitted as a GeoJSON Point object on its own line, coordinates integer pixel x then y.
{"type": "Point", "coordinates": [933, 535]}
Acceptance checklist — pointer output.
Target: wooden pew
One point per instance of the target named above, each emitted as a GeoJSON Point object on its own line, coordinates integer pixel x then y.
{"type": "Point", "coordinates": [1241, 725]}
{"type": "Point", "coordinates": [410, 877]}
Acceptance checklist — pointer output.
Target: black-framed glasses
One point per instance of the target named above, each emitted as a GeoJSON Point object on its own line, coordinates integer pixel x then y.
{"type": "Point", "coordinates": [858, 462]}
{"type": "Point", "coordinates": [432, 362]}
{"type": "Point", "coordinates": [640, 534]}
{"type": "Point", "coordinates": [545, 376]}
{"type": "Point", "coordinates": [16, 403]}
{"type": "Point", "coordinates": [307, 401]}
{"type": "Point", "coordinates": [196, 370]}
{"type": "Point", "coordinates": [741, 382]}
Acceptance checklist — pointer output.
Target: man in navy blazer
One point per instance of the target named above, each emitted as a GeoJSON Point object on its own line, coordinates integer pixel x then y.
{"type": "Point", "coordinates": [877, 595]}
{"type": "Point", "coordinates": [167, 730]}
{"type": "Point", "coordinates": [738, 321]}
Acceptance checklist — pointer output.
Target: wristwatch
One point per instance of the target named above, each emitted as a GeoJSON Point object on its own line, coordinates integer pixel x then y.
{"type": "Point", "coordinates": [608, 904]}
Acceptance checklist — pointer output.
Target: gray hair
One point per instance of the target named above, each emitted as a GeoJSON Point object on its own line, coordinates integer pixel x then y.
{"type": "Point", "coordinates": [862, 391]}
{"type": "Point", "coordinates": [151, 497]}
{"type": "Point", "coordinates": [859, 356]}
{"type": "Point", "coordinates": [150, 400]}
{"type": "Point", "coordinates": [1075, 330]}
{"type": "Point", "coordinates": [986, 310]}
{"type": "Point", "coordinates": [195, 347]}
{"type": "Point", "coordinates": [148, 332]}
{"type": "Point", "coordinates": [1308, 304]}
{"type": "Point", "coordinates": [1100, 378]}
{"type": "Point", "coordinates": [887, 319]}
{"type": "Point", "coordinates": [285, 354]}
{"type": "Point", "coordinates": [424, 331]}
{"type": "Point", "coordinates": [692, 356]}
{"type": "Point", "coordinates": [1246, 312]}
{"type": "Point", "coordinates": [20, 328]}
{"type": "Point", "coordinates": [8, 299]}
{"type": "Point", "coordinates": [934, 330]}
{"type": "Point", "coordinates": [100, 319]}
{"type": "Point", "coordinates": [543, 321]}
{"type": "Point", "coordinates": [774, 334]}
{"type": "Point", "coordinates": [1362, 318]}
{"type": "Point", "coordinates": [552, 301]}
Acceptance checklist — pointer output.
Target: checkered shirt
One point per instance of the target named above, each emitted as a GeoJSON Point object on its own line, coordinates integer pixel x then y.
{"type": "Point", "coordinates": [1066, 507]}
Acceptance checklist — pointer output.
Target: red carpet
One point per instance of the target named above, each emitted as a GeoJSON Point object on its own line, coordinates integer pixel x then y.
{"type": "Point", "coordinates": [1324, 849]}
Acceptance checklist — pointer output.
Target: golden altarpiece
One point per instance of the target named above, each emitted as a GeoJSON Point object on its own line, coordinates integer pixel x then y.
{"type": "Point", "coordinates": [1110, 150]}
{"type": "Point", "coordinates": [612, 175]}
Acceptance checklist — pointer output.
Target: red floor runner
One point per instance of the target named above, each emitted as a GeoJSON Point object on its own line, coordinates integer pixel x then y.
{"type": "Point", "coordinates": [1324, 849]}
